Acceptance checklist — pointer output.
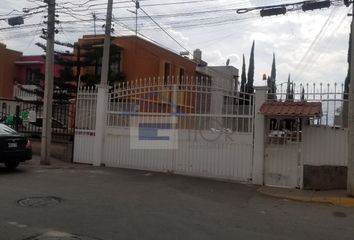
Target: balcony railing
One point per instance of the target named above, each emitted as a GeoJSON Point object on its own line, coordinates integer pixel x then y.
{"type": "Point", "coordinates": [26, 92]}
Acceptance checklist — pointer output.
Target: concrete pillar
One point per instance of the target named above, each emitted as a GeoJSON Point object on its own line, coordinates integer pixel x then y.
{"type": "Point", "coordinates": [101, 117]}
{"type": "Point", "coordinates": [259, 137]}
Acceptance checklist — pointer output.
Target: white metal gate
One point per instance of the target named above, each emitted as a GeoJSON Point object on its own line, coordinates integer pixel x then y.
{"type": "Point", "coordinates": [214, 127]}
{"type": "Point", "coordinates": [283, 167]}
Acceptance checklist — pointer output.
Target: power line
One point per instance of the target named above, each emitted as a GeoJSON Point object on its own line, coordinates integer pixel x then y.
{"type": "Point", "coordinates": [312, 59]}
{"type": "Point", "coordinates": [167, 33]}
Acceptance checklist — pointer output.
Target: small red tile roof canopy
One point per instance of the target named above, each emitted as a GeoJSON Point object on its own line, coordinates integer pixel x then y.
{"type": "Point", "coordinates": [292, 109]}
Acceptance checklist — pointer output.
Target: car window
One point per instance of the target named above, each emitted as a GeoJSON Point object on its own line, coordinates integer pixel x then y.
{"type": "Point", "coordinates": [5, 130]}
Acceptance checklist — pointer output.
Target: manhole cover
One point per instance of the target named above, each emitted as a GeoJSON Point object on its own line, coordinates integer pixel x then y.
{"type": "Point", "coordinates": [35, 202]}
{"type": "Point", "coordinates": [59, 236]}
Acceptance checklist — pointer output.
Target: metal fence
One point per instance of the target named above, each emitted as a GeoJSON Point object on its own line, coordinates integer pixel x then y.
{"type": "Point", "coordinates": [196, 104]}
{"type": "Point", "coordinates": [210, 135]}
{"type": "Point", "coordinates": [27, 118]}
{"type": "Point", "coordinates": [332, 96]}
{"type": "Point", "coordinates": [86, 110]}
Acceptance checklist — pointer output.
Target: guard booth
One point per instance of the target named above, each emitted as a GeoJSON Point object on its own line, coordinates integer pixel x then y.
{"type": "Point", "coordinates": [284, 123]}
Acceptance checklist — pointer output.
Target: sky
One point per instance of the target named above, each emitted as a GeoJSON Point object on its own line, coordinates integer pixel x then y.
{"type": "Point", "coordinates": [312, 47]}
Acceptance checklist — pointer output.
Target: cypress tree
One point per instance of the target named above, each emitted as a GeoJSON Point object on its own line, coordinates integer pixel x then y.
{"type": "Point", "coordinates": [243, 76]}
{"type": "Point", "coordinates": [345, 108]}
{"type": "Point", "coordinates": [273, 75]}
{"type": "Point", "coordinates": [250, 76]}
{"type": "Point", "coordinates": [273, 78]}
{"type": "Point", "coordinates": [269, 85]}
{"type": "Point", "coordinates": [271, 82]}
{"type": "Point", "coordinates": [288, 89]}
{"type": "Point", "coordinates": [347, 79]}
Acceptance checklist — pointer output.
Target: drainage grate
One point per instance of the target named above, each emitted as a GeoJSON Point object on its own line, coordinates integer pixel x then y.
{"type": "Point", "coordinates": [36, 202]}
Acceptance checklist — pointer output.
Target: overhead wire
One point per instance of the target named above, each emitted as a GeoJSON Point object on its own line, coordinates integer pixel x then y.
{"type": "Point", "coordinates": [165, 31]}
{"type": "Point", "coordinates": [310, 59]}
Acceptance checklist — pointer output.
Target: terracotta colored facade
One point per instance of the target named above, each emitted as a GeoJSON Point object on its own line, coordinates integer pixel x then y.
{"type": "Point", "coordinates": [8, 58]}
{"type": "Point", "coordinates": [140, 59]}
{"type": "Point", "coordinates": [143, 59]}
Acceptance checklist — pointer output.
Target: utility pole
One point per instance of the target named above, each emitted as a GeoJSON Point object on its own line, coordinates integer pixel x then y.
{"type": "Point", "coordinates": [102, 91]}
{"type": "Point", "coordinates": [350, 180]}
{"type": "Point", "coordinates": [94, 22]}
{"type": "Point", "coordinates": [137, 6]}
{"type": "Point", "coordinates": [48, 90]}
{"type": "Point", "coordinates": [107, 44]}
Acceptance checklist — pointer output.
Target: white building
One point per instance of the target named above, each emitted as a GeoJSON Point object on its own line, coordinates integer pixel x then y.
{"type": "Point", "coordinates": [224, 82]}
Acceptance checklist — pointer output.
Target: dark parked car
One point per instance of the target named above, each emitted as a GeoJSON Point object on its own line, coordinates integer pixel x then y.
{"type": "Point", "coordinates": [14, 148]}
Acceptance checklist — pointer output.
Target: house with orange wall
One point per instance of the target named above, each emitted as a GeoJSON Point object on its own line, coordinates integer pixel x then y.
{"type": "Point", "coordinates": [140, 58]}
{"type": "Point", "coordinates": [8, 73]}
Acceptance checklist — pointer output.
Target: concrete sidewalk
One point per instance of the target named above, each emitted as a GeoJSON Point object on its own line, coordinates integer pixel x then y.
{"type": "Point", "coordinates": [72, 201]}
{"type": "Point", "coordinates": [55, 163]}
{"type": "Point", "coordinates": [338, 197]}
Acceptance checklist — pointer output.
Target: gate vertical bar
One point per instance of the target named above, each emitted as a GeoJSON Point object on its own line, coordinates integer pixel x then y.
{"type": "Point", "coordinates": [174, 111]}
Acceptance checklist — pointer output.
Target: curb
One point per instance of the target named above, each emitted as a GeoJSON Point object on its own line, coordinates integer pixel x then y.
{"type": "Point", "coordinates": [335, 200]}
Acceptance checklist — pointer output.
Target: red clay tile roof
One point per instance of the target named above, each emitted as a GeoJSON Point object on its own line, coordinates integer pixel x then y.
{"type": "Point", "coordinates": [292, 109]}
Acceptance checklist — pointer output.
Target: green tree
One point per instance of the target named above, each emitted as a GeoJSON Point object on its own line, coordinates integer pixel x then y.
{"type": "Point", "coordinates": [269, 85]}
{"type": "Point", "coordinates": [91, 57]}
{"type": "Point", "coordinates": [271, 81]}
{"type": "Point", "coordinates": [243, 75]}
{"type": "Point", "coordinates": [345, 108]}
{"type": "Point", "coordinates": [64, 85]}
{"type": "Point", "coordinates": [250, 76]}
{"type": "Point", "coordinates": [347, 79]}
{"type": "Point", "coordinates": [273, 75]}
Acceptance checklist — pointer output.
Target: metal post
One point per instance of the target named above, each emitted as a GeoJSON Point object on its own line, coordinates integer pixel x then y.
{"type": "Point", "coordinates": [350, 187]}
{"type": "Point", "coordinates": [102, 94]}
{"type": "Point", "coordinates": [17, 117]}
{"type": "Point", "coordinates": [48, 91]}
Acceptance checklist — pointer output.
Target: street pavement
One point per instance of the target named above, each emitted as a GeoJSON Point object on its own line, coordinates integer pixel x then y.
{"type": "Point", "coordinates": [66, 201]}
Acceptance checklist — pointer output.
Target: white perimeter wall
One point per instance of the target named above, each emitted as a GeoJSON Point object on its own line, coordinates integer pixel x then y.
{"type": "Point", "coordinates": [222, 158]}
{"type": "Point", "coordinates": [83, 147]}
{"type": "Point", "coordinates": [325, 146]}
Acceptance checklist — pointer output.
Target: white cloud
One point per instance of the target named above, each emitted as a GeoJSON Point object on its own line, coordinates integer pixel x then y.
{"type": "Point", "coordinates": [312, 46]}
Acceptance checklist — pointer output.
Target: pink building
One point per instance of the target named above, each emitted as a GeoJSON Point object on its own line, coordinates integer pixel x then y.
{"type": "Point", "coordinates": [30, 72]}
{"type": "Point", "coordinates": [27, 68]}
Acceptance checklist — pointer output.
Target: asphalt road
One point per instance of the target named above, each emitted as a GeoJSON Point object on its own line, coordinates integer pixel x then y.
{"type": "Point", "coordinates": [102, 203]}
